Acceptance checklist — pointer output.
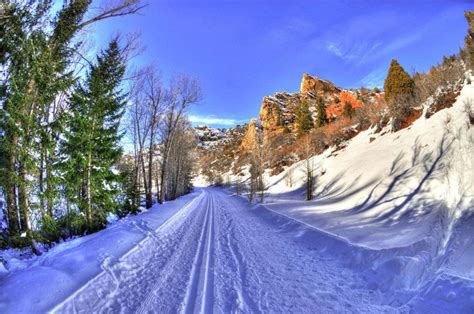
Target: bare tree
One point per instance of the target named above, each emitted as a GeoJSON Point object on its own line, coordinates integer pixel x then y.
{"type": "Point", "coordinates": [308, 168]}
{"type": "Point", "coordinates": [183, 93]}
{"type": "Point", "coordinates": [181, 160]}
{"type": "Point", "coordinates": [258, 160]}
{"type": "Point", "coordinates": [139, 129]}
{"type": "Point", "coordinates": [110, 9]}
{"type": "Point", "coordinates": [155, 106]}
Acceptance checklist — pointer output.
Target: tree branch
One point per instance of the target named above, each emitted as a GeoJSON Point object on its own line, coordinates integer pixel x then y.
{"type": "Point", "coordinates": [127, 8]}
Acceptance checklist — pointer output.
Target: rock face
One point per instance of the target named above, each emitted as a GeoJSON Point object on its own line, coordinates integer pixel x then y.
{"type": "Point", "coordinates": [208, 136]}
{"type": "Point", "coordinates": [213, 138]}
{"type": "Point", "coordinates": [274, 114]}
{"type": "Point", "coordinates": [224, 149]}
{"type": "Point", "coordinates": [316, 85]}
{"type": "Point", "coordinates": [278, 112]}
{"type": "Point", "coordinates": [249, 141]}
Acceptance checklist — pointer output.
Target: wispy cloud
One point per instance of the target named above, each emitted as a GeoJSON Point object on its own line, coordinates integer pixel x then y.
{"type": "Point", "coordinates": [332, 47]}
{"type": "Point", "coordinates": [291, 29]}
{"type": "Point", "coordinates": [356, 52]}
{"type": "Point", "coordinates": [375, 78]}
{"type": "Point", "coordinates": [363, 39]}
{"type": "Point", "coordinates": [209, 120]}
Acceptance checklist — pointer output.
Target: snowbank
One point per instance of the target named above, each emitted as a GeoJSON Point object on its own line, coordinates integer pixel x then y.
{"type": "Point", "coordinates": [55, 275]}
{"type": "Point", "coordinates": [399, 204]}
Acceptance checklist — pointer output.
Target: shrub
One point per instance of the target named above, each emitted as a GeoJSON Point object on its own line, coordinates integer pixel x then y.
{"type": "Point", "coordinates": [348, 110]}
{"type": "Point", "coordinates": [18, 241]}
{"type": "Point", "coordinates": [370, 114]}
{"type": "Point", "coordinates": [50, 230]}
{"type": "Point", "coordinates": [319, 141]}
{"type": "Point", "coordinates": [304, 120]}
{"type": "Point", "coordinates": [441, 79]}
{"type": "Point", "coordinates": [400, 109]}
{"type": "Point", "coordinates": [72, 223]}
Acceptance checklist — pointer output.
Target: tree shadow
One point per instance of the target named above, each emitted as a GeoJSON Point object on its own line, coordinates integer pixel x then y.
{"type": "Point", "coordinates": [400, 172]}
{"type": "Point", "coordinates": [429, 168]}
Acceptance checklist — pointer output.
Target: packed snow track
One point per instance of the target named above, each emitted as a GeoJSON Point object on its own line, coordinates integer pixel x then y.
{"type": "Point", "coordinates": [215, 253]}
{"type": "Point", "coordinates": [218, 255]}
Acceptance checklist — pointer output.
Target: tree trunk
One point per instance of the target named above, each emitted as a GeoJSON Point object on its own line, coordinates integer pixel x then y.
{"type": "Point", "coordinates": [162, 181]}
{"type": "Point", "coordinates": [10, 187]}
{"type": "Point", "coordinates": [23, 200]}
{"type": "Point", "coordinates": [136, 185]}
{"type": "Point", "coordinates": [87, 192]}
{"type": "Point", "coordinates": [49, 187]}
{"type": "Point", "coordinates": [149, 195]}
{"type": "Point", "coordinates": [157, 183]}
{"type": "Point", "coordinates": [41, 183]}
{"type": "Point", "coordinates": [145, 181]}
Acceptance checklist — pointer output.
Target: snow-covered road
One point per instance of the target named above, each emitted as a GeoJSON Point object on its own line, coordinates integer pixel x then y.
{"type": "Point", "coordinates": [211, 251]}
{"type": "Point", "coordinates": [219, 254]}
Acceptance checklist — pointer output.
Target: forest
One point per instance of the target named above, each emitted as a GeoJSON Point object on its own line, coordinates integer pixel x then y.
{"type": "Point", "coordinates": [85, 136]}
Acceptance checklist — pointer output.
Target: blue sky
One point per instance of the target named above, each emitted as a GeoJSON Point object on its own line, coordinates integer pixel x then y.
{"type": "Point", "coordinates": [241, 51]}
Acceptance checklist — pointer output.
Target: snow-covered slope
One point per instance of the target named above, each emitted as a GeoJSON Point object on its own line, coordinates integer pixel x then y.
{"type": "Point", "coordinates": [407, 197]}
{"type": "Point", "coordinates": [390, 181]}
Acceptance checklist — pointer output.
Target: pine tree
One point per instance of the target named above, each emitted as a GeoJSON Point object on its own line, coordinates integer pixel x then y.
{"type": "Point", "coordinates": [36, 63]}
{"type": "Point", "coordinates": [92, 146]}
{"type": "Point", "coordinates": [398, 82]}
{"type": "Point", "coordinates": [321, 118]}
{"type": "Point", "coordinates": [304, 120]}
{"type": "Point", "coordinates": [348, 110]}
{"type": "Point", "coordinates": [469, 40]}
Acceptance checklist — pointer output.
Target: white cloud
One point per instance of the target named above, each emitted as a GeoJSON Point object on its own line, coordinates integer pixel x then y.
{"type": "Point", "coordinates": [213, 120]}
{"type": "Point", "coordinates": [334, 49]}
{"type": "Point", "coordinates": [353, 51]}
{"type": "Point", "coordinates": [374, 78]}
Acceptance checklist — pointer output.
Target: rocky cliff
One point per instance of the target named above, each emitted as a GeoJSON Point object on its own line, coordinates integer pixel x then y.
{"type": "Point", "coordinates": [278, 112]}
{"type": "Point", "coordinates": [312, 84]}
{"type": "Point", "coordinates": [249, 140]}
{"type": "Point", "coordinates": [277, 123]}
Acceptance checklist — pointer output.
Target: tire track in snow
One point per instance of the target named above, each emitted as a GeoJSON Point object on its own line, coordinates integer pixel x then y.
{"type": "Point", "coordinates": [200, 291]}
{"type": "Point", "coordinates": [69, 304]}
{"type": "Point", "coordinates": [237, 271]}
{"type": "Point", "coordinates": [167, 271]}
{"type": "Point", "coordinates": [220, 255]}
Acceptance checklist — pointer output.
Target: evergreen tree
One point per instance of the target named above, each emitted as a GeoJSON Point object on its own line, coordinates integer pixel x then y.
{"type": "Point", "coordinates": [469, 40]}
{"type": "Point", "coordinates": [92, 146]}
{"type": "Point", "coordinates": [398, 82]}
{"type": "Point", "coordinates": [348, 110]}
{"type": "Point", "coordinates": [304, 120]}
{"type": "Point", "coordinates": [321, 118]}
{"type": "Point", "coordinates": [35, 61]}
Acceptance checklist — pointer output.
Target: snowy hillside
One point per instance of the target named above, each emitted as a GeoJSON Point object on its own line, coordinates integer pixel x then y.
{"type": "Point", "coordinates": [406, 196]}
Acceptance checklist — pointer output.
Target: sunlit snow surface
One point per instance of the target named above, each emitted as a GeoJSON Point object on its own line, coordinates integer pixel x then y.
{"type": "Point", "coordinates": [391, 230]}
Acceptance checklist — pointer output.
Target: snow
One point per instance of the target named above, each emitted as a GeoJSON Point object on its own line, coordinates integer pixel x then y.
{"type": "Point", "coordinates": [38, 283]}
{"type": "Point", "coordinates": [404, 198]}
{"type": "Point", "coordinates": [217, 253]}
{"type": "Point", "coordinates": [212, 251]}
